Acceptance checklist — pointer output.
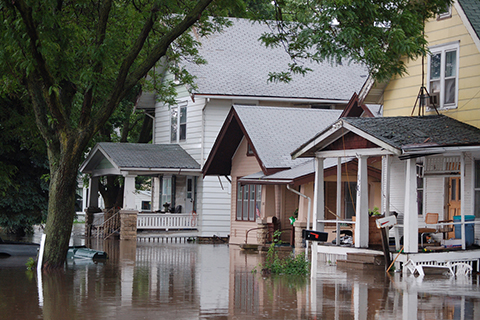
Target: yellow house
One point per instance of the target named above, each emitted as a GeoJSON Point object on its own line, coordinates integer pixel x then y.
{"type": "Point", "coordinates": [451, 71]}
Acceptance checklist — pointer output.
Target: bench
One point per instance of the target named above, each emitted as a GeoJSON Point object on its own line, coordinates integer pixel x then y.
{"type": "Point", "coordinates": [454, 268]}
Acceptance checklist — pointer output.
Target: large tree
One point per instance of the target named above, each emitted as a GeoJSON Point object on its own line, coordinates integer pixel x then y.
{"type": "Point", "coordinates": [377, 33]}
{"type": "Point", "coordinates": [77, 60]}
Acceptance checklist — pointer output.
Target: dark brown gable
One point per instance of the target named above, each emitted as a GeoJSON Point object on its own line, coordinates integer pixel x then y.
{"type": "Point", "coordinates": [351, 141]}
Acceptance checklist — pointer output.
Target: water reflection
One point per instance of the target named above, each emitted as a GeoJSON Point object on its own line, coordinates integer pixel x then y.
{"type": "Point", "coordinates": [191, 281]}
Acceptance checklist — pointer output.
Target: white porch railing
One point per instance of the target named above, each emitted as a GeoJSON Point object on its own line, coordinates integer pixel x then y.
{"type": "Point", "coordinates": [166, 221]}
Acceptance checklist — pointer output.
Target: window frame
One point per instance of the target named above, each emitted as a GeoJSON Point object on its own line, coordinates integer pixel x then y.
{"type": "Point", "coordinates": [442, 50]}
{"type": "Point", "coordinates": [178, 124]}
{"type": "Point", "coordinates": [250, 212]}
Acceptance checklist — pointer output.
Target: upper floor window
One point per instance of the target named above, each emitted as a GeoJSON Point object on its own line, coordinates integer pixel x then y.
{"type": "Point", "coordinates": [443, 75]}
{"type": "Point", "coordinates": [447, 13]}
{"type": "Point", "coordinates": [178, 117]}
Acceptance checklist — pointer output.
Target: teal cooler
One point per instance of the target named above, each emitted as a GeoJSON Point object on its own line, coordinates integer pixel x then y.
{"type": "Point", "coordinates": [469, 229]}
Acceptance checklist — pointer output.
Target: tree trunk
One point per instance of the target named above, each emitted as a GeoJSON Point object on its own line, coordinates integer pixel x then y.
{"type": "Point", "coordinates": [61, 207]}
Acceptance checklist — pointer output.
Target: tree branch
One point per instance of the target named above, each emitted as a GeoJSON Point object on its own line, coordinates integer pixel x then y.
{"type": "Point", "coordinates": [126, 81]}
{"type": "Point", "coordinates": [86, 112]}
{"type": "Point", "coordinates": [50, 96]}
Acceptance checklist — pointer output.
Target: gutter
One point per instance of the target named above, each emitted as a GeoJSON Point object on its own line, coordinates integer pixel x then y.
{"type": "Point", "coordinates": [252, 98]}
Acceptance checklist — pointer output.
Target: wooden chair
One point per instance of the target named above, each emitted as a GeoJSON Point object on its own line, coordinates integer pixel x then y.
{"type": "Point", "coordinates": [430, 218]}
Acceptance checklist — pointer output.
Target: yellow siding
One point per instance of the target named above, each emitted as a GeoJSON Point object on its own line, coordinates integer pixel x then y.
{"type": "Point", "coordinates": [401, 93]}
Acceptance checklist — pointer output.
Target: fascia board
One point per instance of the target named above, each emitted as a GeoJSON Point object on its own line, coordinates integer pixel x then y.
{"type": "Point", "coordinates": [353, 153]}
{"type": "Point", "coordinates": [150, 171]}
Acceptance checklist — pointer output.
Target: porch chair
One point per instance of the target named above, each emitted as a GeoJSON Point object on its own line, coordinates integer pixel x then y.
{"type": "Point", "coordinates": [432, 218]}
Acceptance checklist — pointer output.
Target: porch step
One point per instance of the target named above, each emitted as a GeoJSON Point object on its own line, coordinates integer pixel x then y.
{"type": "Point", "coordinates": [374, 258]}
{"type": "Point", "coordinates": [362, 261]}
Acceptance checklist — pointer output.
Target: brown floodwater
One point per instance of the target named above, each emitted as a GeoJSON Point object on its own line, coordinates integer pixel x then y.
{"type": "Point", "coordinates": [214, 281]}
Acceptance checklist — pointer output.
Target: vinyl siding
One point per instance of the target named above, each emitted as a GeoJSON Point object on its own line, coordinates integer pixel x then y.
{"type": "Point", "coordinates": [400, 94]}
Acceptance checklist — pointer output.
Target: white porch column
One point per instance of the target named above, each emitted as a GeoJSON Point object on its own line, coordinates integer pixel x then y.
{"type": "Point", "coordinates": [318, 200]}
{"type": "Point", "coordinates": [318, 213]}
{"type": "Point", "coordinates": [93, 192]}
{"type": "Point", "coordinates": [386, 185]}
{"type": "Point", "coordinates": [339, 198]}
{"type": "Point", "coordinates": [462, 199]}
{"type": "Point", "coordinates": [410, 218]}
{"type": "Point", "coordinates": [361, 212]}
{"type": "Point", "coordinates": [156, 194]}
{"type": "Point", "coordinates": [129, 192]}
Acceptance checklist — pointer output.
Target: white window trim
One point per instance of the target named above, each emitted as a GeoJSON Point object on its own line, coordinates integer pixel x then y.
{"type": "Point", "coordinates": [442, 48]}
{"type": "Point", "coordinates": [180, 104]}
{"type": "Point", "coordinates": [446, 14]}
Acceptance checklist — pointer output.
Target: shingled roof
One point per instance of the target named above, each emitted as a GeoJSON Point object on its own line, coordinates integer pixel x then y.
{"type": "Point", "coordinates": [273, 132]}
{"type": "Point", "coordinates": [238, 64]}
{"type": "Point", "coordinates": [471, 8]}
{"type": "Point", "coordinates": [407, 135]}
{"type": "Point", "coordinates": [138, 156]}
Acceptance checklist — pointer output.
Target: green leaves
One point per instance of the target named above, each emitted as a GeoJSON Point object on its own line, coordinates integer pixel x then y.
{"type": "Point", "coordinates": [375, 32]}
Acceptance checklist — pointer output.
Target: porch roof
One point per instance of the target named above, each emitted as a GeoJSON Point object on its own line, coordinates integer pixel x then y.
{"type": "Point", "coordinates": [108, 158]}
{"type": "Point", "coordinates": [296, 175]}
{"type": "Point", "coordinates": [403, 136]}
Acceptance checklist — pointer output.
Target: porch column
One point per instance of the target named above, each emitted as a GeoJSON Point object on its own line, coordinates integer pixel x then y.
{"type": "Point", "coordinates": [462, 199]}
{"type": "Point", "coordinates": [318, 212]}
{"type": "Point", "coordinates": [361, 213]}
{"type": "Point", "coordinates": [386, 185]}
{"type": "Point", "coordinates": [93, 192]}
{"type": "Point", "coordinates": [410, 218]}
{"type": "Point", "coordinates": [318, 199]}
{"type": "Point", "coordinates": [129, 192]}
{"type": "Point", "coordinates": [339, 199]}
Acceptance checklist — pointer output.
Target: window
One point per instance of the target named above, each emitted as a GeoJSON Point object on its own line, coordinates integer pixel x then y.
{"type": "Point", "coordinates": [178, 116]}
{"type": "Point", "coordinates": [168, 192]}
{"type": "Point", "coordinates": [249, 150]}
{"type": "Point", "coordinates": [443, 75]}
{"type": "Point", "coordinates": [420, 184]}
{"type": "Point", "coordinates": [447, 13]}
{"type": "Point", "coordinates": [477, 188]}
{"type": "Point", "coordinates": [350, 199]}
{"type": "Point", "coordinates": [249, 199]}
{"type": "Point", "coordinates": [146, 206]}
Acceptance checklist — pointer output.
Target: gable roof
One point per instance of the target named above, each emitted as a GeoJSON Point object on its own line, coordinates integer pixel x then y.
{"type": "Point", "coordinates": [238, 64]}
{"type": "Point", "coordinates": [471, 9]}
{"type": "Point", "coordinates": [272, 132]}
{"type": "Point", "coordinates": [115, 158]}
{"type": "Point", "coordinates": [404, 136]}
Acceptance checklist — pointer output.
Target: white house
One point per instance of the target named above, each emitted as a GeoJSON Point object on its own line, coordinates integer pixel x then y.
{"type": "Point", "coordinates": [237, 73]}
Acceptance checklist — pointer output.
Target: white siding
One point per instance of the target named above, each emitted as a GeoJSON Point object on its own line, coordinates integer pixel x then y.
{"type": "Point", "coordinates": [434, 189]}
{"type": "Point", "coordinates": [397, 186]}
{"type": "Point", "coordinates": [215, 207]}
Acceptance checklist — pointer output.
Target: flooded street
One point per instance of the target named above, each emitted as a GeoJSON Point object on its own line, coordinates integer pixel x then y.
{"type": "Point", "coordinates": [207, 281]}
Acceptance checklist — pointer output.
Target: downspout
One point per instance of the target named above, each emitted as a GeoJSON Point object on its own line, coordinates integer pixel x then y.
{"type": "Point", "coordinates": [308, 215]}
{"type": "Point", "coordinates": [202, 138]}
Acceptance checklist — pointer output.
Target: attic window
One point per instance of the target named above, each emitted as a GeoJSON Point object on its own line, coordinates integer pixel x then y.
{"type": "Point", "coordinates": [447, 13]}
{"type": "Point", "coordinates": [249, 150]}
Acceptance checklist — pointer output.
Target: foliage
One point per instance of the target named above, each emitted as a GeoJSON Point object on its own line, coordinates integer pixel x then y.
{"type": "Point", "coordinates": [76, 61]}
{"type": "Point", "coordinates": [31, 264]}
{"type": "Point", "coordinates": [23, 164]}
{"type": "Point", "coordinates": [374, 212]}
{"type": "Point", "coordinates": [290, 265]}
{"type": "Point", "coordinates": [374, 32]}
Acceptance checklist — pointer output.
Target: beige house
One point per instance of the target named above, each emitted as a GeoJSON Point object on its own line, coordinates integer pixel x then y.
{"type": "Point", "coordinates": [268, 187]}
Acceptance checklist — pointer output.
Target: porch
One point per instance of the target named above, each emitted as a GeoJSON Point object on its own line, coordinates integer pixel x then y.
{"type": "Point", "coordinates": [428, 165]}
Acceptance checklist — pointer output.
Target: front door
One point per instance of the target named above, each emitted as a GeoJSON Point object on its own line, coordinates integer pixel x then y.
{"type": "Point", "coordinates": [189, 202]}
{"type": "Point", "coordinates": [454, 197]}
